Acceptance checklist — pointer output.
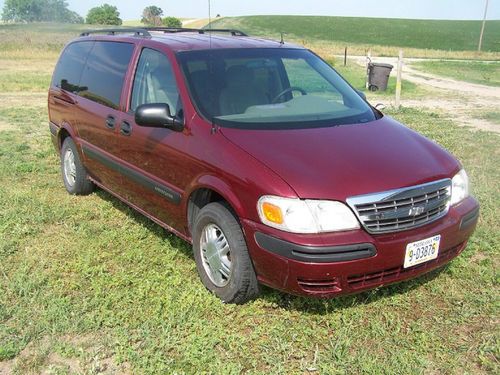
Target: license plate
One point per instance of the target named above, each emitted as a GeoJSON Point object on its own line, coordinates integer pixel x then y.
{"type": "Point", "coordinates": [422, 251]}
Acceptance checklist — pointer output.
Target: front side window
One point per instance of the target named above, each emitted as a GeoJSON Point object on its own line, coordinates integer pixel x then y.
{"type": "Point", "coordinates": [270, 89]}
{"type": "Point", "coordinates": [154, 82]}
{"type": "Point", "coordinates": [103, 77]}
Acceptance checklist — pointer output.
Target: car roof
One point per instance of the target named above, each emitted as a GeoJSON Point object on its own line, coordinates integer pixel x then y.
{"type": "Point", "coordinates": [190, 39]}
{"type": "Point", "coordinates": [194, 41]}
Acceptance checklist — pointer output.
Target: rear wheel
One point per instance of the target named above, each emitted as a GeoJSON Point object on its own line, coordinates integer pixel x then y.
{"type": "Point", "coordinates": [75, 176]}
{"type": "Point", "coordinates": [221, 255]}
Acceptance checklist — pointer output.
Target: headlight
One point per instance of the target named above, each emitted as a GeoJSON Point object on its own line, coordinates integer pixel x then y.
{"type": "Point", "coordinates": [305, 216]}
{"type": "Point", "coordinates": [459, 187]}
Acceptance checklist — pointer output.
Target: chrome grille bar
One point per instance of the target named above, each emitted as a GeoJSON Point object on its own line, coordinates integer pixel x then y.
{"type": "Point", "coordinates": [402, 209]}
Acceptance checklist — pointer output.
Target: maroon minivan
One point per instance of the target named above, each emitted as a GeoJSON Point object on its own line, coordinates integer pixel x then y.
{"type": "Point", "coordinates": [260, 155]}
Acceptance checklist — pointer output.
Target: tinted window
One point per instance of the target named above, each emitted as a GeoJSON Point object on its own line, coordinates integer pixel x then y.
{"type": "Point", "coordinates": [70, 66]}
{"type": "Point", "coordinates": [154, 82]}
{"type": "Point", "coordinates": [103, 77]}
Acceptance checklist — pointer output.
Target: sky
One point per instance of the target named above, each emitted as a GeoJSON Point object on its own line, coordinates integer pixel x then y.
{"type": "Point", "coordinates": [421, 9]}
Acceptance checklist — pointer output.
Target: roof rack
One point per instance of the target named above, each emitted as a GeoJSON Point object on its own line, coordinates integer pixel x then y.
{"type": "Point", "coordinates": [233, 32]}
{"type": "Point", "coordinates": [144, 31]}
{"type": "Point", "coordinates": [136, 31]}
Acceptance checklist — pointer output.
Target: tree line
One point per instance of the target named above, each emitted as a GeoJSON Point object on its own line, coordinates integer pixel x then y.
{"type": "Point", "coordinates": [57, 11]}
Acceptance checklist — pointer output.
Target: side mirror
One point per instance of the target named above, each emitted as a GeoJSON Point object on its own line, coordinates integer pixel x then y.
{"type": "Point", "coordinates": [362, 94]}
{"type": "Point", "coordinates": [157, 115]}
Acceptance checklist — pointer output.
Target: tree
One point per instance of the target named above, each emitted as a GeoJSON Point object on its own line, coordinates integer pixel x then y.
{"type": "Point", "coordinates": [39, 11]}
{"type": "Point", "coordinates": [172, 22]}
{"type": "Point", "coordinates": [151, 15]}
{"type": "Point", "coordinates": [104, 15]}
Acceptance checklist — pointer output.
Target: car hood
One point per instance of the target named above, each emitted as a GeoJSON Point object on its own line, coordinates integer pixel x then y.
{"type": "Point", "coordinates": [341, 161]}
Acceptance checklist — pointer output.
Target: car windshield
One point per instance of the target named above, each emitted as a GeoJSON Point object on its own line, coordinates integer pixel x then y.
{"type": "Point", "coordinates": [270, 88]}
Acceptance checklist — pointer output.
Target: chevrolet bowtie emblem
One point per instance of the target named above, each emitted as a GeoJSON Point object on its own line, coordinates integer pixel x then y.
{"type": "Point", "coordinates": [415, 211]}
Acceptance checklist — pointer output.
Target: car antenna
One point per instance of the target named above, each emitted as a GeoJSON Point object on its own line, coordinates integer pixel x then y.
{"type": "Point", "coordinates": [282, 41]}
{"type": "Point", "coordinates": [210, 62]}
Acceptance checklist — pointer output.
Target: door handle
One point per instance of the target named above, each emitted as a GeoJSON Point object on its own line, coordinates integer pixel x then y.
{"type": "Point", "coordinates": [125, 128]}
{"type": "Point", "coordinates": [110, 122]}
{"type": "Point", "coordinates": [65, 99]}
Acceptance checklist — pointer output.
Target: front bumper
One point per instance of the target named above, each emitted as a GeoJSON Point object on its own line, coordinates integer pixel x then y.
{"type": "Point", "coordinates": [332, 264]}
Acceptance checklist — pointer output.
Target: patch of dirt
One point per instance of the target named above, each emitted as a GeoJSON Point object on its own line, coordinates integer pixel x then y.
{"type": "Point", "coordinates": [19, 99]}
{"type": "Point", "coordinates": [40, 357]}
{"type": "Point", "coordinates": [5, 126]}
{"type": "Point", "coordinates": [55, 360]}
{"type": "Point", "coordinates": [6, 367]}
{"type": "Point", "coordinates": [454, 98]}
{"type": "Point", "coordinates": [482, 92]}
{"type": "Point", "coordinates": [456, 110]}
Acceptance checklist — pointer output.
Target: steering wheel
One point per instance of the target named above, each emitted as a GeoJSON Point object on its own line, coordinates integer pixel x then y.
{"type": "Point", "coordinates": [286, 91]}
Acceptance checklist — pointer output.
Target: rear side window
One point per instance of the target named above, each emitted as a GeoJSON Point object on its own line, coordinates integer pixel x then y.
{"type": "Point", "coordinates": [70, 66]}
{"type": "Point", "coordinates": [103, 77]}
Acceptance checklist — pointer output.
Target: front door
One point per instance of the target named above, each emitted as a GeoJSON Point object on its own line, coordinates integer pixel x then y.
{"type": "Point", "coordinates": [153, 160]}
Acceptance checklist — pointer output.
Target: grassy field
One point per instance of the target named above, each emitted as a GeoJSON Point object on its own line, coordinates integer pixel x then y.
{"type": "Point", "coordinates": [419, 38]}
{"type": "Point", "coordinates": [87, 285]}
{"type": "Point", "coordinates": [431, 34]}
{"type": "Point", "coordinates": [470, 71]}
{"type": "Point", "coordinates": [493, 116]}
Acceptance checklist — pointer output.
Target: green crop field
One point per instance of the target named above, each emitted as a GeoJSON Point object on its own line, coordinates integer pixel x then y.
{"type": "Point", "coordinates": [87, 285]}
{"type": "Point", "coordinates": [424, 34]}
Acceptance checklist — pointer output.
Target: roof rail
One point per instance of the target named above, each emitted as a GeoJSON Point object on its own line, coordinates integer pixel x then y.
{"type": "Point", "coordinates": [144, 31]}
{"type": "Point", "coordinates": [233, 32]}
{"type": "Point", "coordinates": [135, 31]}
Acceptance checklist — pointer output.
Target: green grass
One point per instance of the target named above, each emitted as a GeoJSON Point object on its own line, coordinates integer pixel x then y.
{"type": "Point", "coordinates": [91, 267]}
{"type": "Point", "coordinates": [26, 81]}
{"type": "Point", "coordinates": [493, 116]}
{"type": "Point", "coordinates": [38, 38]}
{"type": "Point", "coordinates": [132, 23]}
{"type": "Point", "coordinates": [422, 34]}
{"type": "Point", "coordinates": [485, 73]}
{"type": "Point", "coordinates": [88, 285]}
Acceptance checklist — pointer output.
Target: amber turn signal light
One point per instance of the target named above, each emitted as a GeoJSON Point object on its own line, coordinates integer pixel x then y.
{"type": "Point", "coordinates": [272, 213]}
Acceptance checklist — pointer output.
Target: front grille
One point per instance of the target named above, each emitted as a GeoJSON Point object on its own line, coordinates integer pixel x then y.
{"type": "Point", "coordinates": [402, 209]}
{"type": "Point", "coordinates": [392, 274]}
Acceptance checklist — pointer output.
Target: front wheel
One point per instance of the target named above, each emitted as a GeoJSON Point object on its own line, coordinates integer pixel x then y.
{"type": "Point", "coordinates": [221, 255]}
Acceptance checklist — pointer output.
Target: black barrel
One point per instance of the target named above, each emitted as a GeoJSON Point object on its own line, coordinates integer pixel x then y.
{"type": "Point", "coordinates": [378, 76]}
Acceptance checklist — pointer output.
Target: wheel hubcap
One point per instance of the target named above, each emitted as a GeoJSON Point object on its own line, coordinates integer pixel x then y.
{"type": "Point", "coordinates": [69, 167]}
{"type": "Point", "coordinates": [216, 255]}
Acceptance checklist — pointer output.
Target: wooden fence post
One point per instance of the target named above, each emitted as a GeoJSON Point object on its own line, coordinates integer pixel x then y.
{"type": "Point", "coordinates": [368, 61]}
{"type": "Point", "coordinates": [398, 82]}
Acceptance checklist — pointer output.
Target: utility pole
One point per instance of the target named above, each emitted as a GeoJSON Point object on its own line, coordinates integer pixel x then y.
{"type": "Point", "coordinates": [482, 27]}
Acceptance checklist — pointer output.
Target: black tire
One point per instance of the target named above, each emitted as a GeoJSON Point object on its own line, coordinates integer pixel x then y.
{"type": "Point", "coordinates": [81, 185]}
{"type": "Point", "coordinates": [242, 284]}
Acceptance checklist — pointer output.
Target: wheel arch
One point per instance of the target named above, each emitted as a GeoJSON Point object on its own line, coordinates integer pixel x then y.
{"type": "Point", "coordinates": [64, 132]}
{"type": "Point", "coordinates": [209, 189]}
